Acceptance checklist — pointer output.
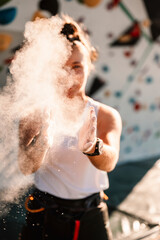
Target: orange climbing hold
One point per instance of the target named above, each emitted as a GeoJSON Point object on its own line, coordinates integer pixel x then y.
{"type": "Point", "coordinates": [5, 41]}
{"type": "Point", "coordinates": [92, 3]}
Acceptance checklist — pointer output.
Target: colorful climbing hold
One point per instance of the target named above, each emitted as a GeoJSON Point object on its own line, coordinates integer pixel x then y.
{"type": "Point", "coordinates": [118, 94]}
{"type": "Point", "coordinates": [5, 41]}
{"type": "Point", "coordinates": [91, 3]}
{"type": "Point", "coordinates": [107, 93]}
{"type": "Point", "coordinates": [149, 80]}
{"type": "Point", "coordinates": [137, 106]}
{"type": "Point", "coordinates": [105, 68]}
{"type": "Point", "coordinates": [7, 15]}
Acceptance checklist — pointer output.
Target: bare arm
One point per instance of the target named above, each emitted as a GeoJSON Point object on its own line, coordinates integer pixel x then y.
{"type": "Point", "coordinates": [109, 128]}
{"type": "Point", "coordinates": [33, 141]}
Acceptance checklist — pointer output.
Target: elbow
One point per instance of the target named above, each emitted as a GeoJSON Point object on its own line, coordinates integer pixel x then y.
{"type": "Point", "coordinates": [110, 168]}
{"type": "Point", "coordinates": [112, 164]}
{"type": "Point", "coordinates": [110, 157]}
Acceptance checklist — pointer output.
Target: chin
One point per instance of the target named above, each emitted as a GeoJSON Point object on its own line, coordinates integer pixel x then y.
{"type": "Point", "coordinates": [74, 90]}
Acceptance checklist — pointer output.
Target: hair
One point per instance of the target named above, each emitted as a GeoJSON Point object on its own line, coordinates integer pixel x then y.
{"type": "Point", "coordinates": [76, 32]}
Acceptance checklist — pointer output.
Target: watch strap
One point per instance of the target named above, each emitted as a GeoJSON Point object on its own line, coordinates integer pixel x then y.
{"type": "Point", "coordinates": [97, 149]}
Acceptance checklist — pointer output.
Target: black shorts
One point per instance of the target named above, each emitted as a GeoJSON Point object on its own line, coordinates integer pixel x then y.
{"type": "Point", "coordinates": [61, 219]}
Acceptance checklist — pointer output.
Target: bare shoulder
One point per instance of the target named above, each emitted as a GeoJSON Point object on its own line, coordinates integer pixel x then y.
{"type": "Point", "coordinates": [109, 112]}
{"type": "Point", "coordinates": [108, 118]}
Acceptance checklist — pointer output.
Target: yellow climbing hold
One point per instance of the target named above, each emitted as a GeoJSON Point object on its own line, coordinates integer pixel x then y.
{"type": "Point", "coordinates": [92, 3]}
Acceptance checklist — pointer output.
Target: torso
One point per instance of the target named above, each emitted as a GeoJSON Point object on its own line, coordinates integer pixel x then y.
{"type": "Point", "coordinates": [69, 173]}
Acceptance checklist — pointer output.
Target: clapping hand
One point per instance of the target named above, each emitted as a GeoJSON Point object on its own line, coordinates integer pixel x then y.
{"type": "Point", "coordinates": [87, 133]}
{"type": "Point", "coordinates": [37, 126]}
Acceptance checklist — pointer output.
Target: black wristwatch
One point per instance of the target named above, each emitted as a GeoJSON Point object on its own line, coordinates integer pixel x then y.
{"type": "Point", "coordinates": [98, 148]}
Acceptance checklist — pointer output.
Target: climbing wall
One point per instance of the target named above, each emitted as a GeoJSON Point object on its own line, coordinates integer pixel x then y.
{"type": "Point", "coordinates": [127, 75]}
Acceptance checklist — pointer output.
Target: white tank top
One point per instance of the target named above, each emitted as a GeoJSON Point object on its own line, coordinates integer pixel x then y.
{"type": "Point", "coordinates": [69, 173]}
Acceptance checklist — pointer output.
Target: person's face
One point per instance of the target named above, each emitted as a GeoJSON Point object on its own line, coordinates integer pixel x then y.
{"type": "Point", "coordinates": [79, 64]}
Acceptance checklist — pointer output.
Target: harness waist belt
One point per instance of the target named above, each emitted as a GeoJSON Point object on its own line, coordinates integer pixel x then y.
{"type": "Point", "coordinates": [48, 200]}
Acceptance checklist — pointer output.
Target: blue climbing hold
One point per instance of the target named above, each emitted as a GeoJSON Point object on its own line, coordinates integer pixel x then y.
{"type": "Point", "coordinates": [7, 15]}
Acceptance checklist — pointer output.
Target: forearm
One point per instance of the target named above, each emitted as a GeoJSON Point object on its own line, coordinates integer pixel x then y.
{"type": "Point", "coordinates": [31, 157]}
{"type": "Point", "coordinates": [107, 160]}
